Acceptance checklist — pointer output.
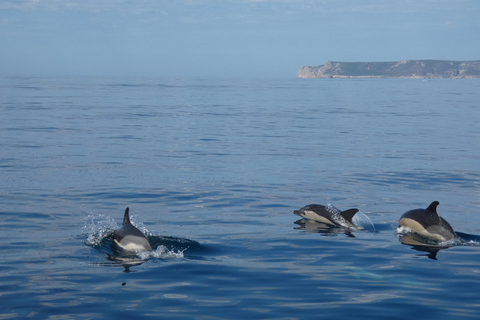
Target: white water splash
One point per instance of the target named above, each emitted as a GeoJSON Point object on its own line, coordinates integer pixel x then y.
{"type": "Point", "coordinates": [98, 226]}
{"type": "Point", "coordinates": [161, 252]}
{"type": "Point", "coordinates": [403, 230]}
{"type": "Point", "coordinates": [363, 221]}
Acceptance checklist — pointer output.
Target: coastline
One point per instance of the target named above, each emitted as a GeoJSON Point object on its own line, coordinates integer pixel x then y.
{"type": "Point", "coordinates": [405, 69]}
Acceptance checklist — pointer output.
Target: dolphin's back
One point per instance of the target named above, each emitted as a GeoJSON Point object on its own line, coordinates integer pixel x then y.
{"type": "Point", "coordinates": [443, 228]}
{"type": "Point", "coordinates": [130, 238]}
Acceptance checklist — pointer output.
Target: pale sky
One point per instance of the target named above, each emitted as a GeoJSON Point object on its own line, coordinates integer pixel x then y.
{"type": "Point", "coordinates": [229, 38]}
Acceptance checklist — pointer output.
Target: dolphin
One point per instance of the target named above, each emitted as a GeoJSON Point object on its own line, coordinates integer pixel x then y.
{"type": "Point", "coordinates": [427, 223]}
{"type": "Point", "coordinates": [130, 238]}
{"type": "Point", "coordinates": [327, 215]}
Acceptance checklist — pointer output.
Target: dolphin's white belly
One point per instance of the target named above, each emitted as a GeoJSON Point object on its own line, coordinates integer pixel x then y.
{"type": "Point", "coordinates": [308, 214]}
{"type": "Point", "coordinates": [132, 243]}
{"type": "Point", "coordinates": [418, 228]}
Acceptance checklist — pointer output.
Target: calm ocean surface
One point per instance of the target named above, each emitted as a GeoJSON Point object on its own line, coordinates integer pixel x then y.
{"type": "Point", "coordinates": [212, 171]}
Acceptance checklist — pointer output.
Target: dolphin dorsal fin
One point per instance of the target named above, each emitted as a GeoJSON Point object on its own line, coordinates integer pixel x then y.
{"type": "Point", "coordinates": [126, 218]}
{"type": "Point", "coordinates": [433, 207]}
{"type": "Point", "coordinates": [348, 214]}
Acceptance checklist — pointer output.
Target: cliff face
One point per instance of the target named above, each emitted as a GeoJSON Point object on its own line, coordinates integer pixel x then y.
{"type": "Point", "coordinates": [425, 69]}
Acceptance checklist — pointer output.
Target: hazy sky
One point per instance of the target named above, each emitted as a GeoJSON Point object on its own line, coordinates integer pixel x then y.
{"type": "Point", "coordinates": [228, 38]}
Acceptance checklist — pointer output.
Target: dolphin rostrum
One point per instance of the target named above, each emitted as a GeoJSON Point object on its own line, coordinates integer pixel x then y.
{"type": "Point", "coordinates": [327, 215]}
{"type": "Point", "coordinates": [427, 223]}
{"type": "Point", "coordinates": [130, 238]}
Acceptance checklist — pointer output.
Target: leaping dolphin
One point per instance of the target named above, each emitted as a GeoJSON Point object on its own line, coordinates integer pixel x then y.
{"type": "Point", "coordinates": [327, 215]}
{"type": "Point", "coordinates": [130, 238]}
{"type": "Point", "coordinates": [427, 223]}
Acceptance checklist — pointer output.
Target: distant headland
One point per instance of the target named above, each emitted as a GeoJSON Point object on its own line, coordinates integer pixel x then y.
{"type": "Point", "coordinates": [420, 69]}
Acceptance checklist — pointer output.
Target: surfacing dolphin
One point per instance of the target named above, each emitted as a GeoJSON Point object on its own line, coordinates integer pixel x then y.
{"type": "Point", "coordinates": [328, 215]}
{"type": "Point", "coordinates": [130, 238]}
{"type": "Point", "coordinates": [427, 223]}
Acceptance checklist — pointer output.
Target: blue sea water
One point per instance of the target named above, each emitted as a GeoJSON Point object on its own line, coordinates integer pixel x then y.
{"type": "Point", "coordinates": [212, 170]}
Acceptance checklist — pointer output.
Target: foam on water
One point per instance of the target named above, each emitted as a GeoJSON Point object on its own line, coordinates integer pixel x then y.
{"type": "Point", "coordinates": [98, 226]}
{"type": "Point", "coordinates": [403, 230]}
{"type": "Point", "coordinates": [161, 252]}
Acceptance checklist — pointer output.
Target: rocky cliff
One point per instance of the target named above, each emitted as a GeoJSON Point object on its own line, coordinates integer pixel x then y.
{"type": "Point", "coordinates": [424, 69]}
